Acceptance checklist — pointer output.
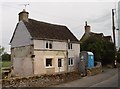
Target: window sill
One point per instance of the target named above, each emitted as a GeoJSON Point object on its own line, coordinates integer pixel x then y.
{"type": "Point", "coordinates": [70, 65]}
{"type": "Point", "coordinates": [49, 67]}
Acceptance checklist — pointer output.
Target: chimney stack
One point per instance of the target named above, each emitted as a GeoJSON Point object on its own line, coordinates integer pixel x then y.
{"type": "Point", "coordinates": [87, 28]}
{"type": "Point", "coordinates": [23, 16]}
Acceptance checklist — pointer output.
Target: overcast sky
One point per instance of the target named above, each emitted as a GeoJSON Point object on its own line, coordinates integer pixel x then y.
{"type": "Point", "coordinates": [72, 14]}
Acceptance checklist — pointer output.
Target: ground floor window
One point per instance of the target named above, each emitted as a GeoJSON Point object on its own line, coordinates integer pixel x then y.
{"type": "Point", "coordinates": [71, 61]}
{"type": "Point", "coordinates": [48, 62]}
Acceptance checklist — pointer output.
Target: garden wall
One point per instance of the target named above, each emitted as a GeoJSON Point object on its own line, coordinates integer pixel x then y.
{"type": "Point", "coordinates": [41, 80]}
{"type": "Point", "coordinates": [95, 70]}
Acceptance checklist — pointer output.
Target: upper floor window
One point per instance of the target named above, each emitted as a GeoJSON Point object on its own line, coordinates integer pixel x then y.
{"type": "Point", "coordinates": [49, 45]}
{"type": "Point", "coordinates": [70, 61]}
{"type": "Point", "coordinates": [69, 45]}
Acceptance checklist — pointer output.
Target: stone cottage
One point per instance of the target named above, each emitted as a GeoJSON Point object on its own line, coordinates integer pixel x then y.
{"type": "Point", "coordinates": [40, 48]}
{"type": "Point", "coordinates": [88, 33]}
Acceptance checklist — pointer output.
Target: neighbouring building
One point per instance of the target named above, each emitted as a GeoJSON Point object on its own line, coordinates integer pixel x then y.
{"type": "Point", "coordinates": [119, 24]}
{"type": "Point", "coordinates": [88, 33]}
{"type": "Point", "coordinates": [41, 48]}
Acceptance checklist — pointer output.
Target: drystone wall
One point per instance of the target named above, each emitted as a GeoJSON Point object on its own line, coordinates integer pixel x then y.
{"type": "Point", "coordinates": [95, 70]}
{"type": "Point", "coordinates": [41, 80]}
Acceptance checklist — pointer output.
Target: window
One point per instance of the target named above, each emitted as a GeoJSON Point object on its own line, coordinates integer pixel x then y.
{"type": "Point", "coordinates": [46, 44]}
{"type": "Point", "coordinates": [69, 45]}
{"type": "Point", "coordinates": [59, 62]}
{"type": "Point", "coordinates": [49, 45]}
{"type": "Point", "coordinates": [48, 62]}
{"type": "Point", "coordinates": [70, 61]}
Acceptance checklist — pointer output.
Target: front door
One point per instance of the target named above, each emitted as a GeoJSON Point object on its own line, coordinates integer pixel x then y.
{"type": "Point", "coordinates": [60, 65]}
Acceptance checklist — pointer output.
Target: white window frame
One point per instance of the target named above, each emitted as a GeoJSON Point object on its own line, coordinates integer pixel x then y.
{"type": "Point", "coordinates": [69, 60]}
{"type": "Point", "coordinates": [49, 42]}
{"type": "Point", "coordinates": [45, 62]}
{"type": "Point", "coordinates": [70, 46]}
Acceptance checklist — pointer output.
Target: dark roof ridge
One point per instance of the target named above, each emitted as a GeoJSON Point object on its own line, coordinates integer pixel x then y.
{"type": "Point", "coordinates": [96, 33]}
{"type": "Point", "coordinates": [45, 22]}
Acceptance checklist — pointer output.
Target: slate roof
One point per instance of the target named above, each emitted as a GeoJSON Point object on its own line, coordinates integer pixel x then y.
{"type": "Point", "coordinates": [85, 36]}
{"type": "Point", "coordinates": [96, 34]}
{"type": "Point", "coordinates": [108, 38]}
{"type": "Point", "coordinates": [43, 30]}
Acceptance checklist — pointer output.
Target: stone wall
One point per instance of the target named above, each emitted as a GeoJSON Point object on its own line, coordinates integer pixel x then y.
{"type": "Point", "coordinates": [95, 70]}
{"type": "Point", "coordinates": [41, 80]}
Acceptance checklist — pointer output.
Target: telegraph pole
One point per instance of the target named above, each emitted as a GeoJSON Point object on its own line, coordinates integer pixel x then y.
{"type": "Point", "coordinates": [113, 27]}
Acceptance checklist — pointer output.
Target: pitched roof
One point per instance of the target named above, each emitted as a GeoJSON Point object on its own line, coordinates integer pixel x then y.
{"type": "Point", "coordinates": [108, 38]}
{"type": "Point", "coordinates": [98, 35]}
{"type": "Point", "coordinates": [43, 30]}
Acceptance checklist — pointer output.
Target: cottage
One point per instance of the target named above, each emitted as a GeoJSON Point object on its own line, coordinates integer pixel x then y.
{"type": "Point", "coordinates": [41, 48]}
{"type": "Point", "coordinates": [88, 33]}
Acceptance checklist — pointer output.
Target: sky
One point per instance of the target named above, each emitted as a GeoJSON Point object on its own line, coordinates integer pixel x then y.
{"type": "Point", "coordinates": [70, 13]}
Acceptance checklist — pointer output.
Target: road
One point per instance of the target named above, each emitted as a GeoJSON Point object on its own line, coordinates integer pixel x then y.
{"type": "Point", "coordinates": [108, 78]}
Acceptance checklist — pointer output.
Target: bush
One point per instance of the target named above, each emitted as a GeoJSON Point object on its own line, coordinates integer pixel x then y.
{"type": "Point", "coordinates": [6, 57]}
{"type": "Point", "coordinates": [104, 51]}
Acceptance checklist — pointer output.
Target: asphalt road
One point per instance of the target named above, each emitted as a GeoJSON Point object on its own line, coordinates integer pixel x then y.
{"type": "Point", "coordinates": [109, 78]}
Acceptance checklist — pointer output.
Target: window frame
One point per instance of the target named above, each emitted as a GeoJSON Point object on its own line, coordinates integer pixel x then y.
{"type": "Point", "coordinates": [51, 64]}
{"type": "Point", "coordinates": [70, 46]}
{"type": "Point", "coordinates": [70, 61]}
{"type": "Point", "coordinates": [48, 45]}
{"type": "Point", "coordinates": [60, 62]}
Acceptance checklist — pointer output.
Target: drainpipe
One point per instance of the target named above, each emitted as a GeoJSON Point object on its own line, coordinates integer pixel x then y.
{"type": "Point", "coordinates": [32, 57]}
{"type": "Point", "coordinates": [68, 41]}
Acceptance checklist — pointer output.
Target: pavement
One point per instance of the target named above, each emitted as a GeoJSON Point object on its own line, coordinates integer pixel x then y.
{"type": "Point", "coordinates": [108, 78]}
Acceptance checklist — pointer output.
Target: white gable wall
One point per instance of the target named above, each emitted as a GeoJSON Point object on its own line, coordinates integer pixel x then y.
{"type": "Point", "coordinates": [21, 37]}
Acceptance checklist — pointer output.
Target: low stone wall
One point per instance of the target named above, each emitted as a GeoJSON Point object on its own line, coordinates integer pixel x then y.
{"type": "Point", "coordinates": [40, 80]}
{"type": "Point", "coordinates": [95, 70]}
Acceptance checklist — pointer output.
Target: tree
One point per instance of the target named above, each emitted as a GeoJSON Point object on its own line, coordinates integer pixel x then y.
{"type": "Point", "coordinates": [1, 50]}
{"type": "Point", "coordinates": [6, 57]}
{"type": "Point", "coordinates": [103, 50]}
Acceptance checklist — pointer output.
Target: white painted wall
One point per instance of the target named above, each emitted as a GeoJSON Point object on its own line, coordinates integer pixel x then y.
{"type": "Point", "coordinates": [40, 61]}
{"type": "Point", "coordinates": [41, 44]}
{"type": "Point", "coordinates": [58, 46]}
{"type": "Point", "coordinates": [21, 37]}
{"type": "Point", "coordinates": [119, 24]}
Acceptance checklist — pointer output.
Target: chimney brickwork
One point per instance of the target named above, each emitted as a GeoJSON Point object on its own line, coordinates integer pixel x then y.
{"type": "Point", "coordinates": [87, 28]}
{"type": "Point", "coordinates": [23, 15]}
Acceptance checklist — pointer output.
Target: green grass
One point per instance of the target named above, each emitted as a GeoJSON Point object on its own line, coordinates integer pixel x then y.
{"type": "Point", "coordinates": [6, 63]}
